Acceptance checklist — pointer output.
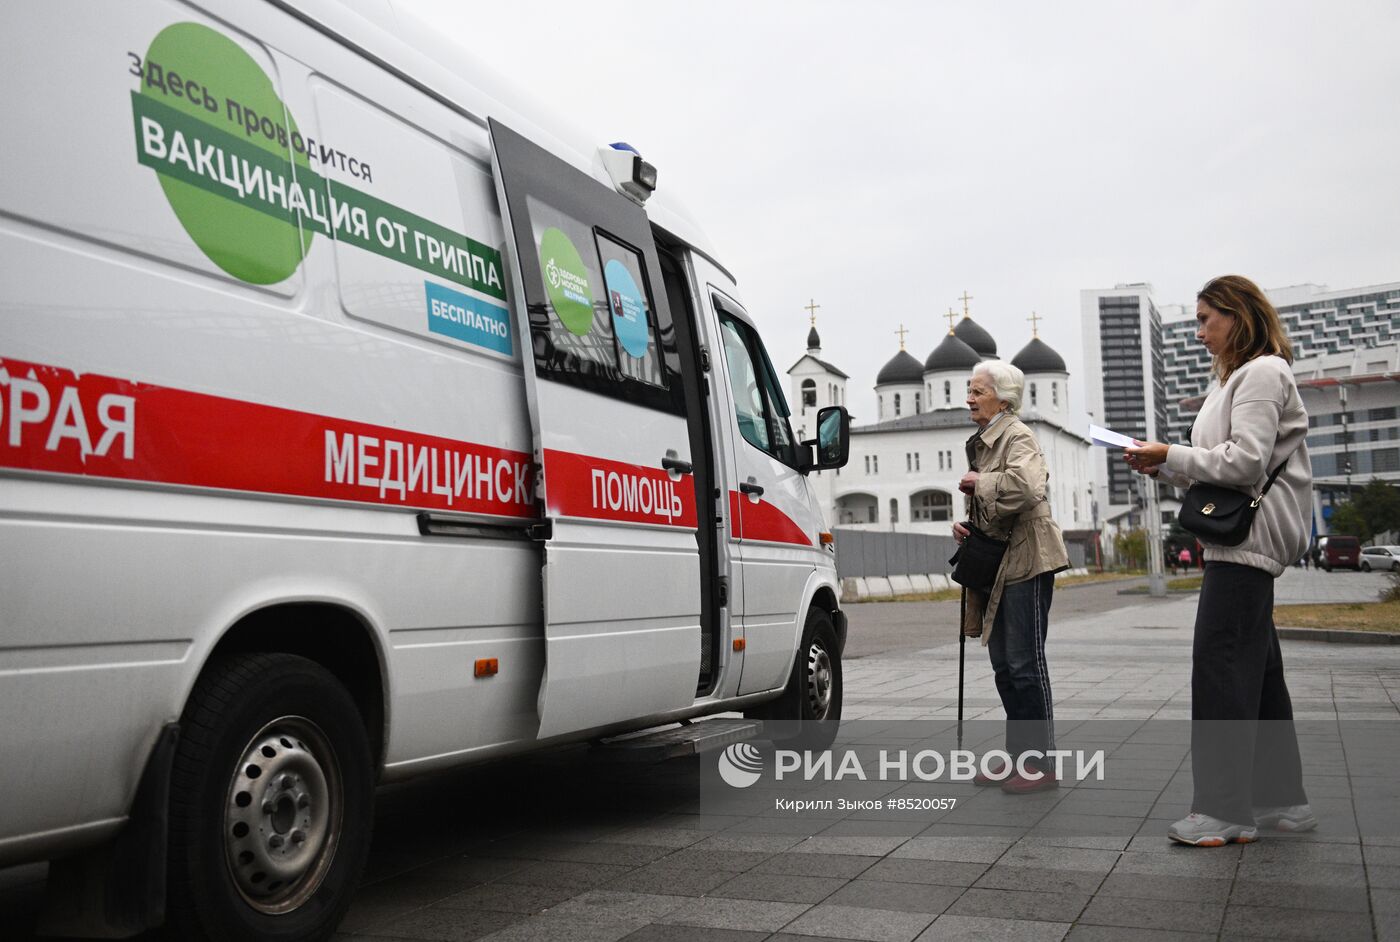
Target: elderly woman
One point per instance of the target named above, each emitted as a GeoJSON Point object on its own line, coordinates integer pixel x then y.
{"type": "Point", "coordinates": [1244, 748]}
{"type": "Point", "coordinates": [1007, 500]}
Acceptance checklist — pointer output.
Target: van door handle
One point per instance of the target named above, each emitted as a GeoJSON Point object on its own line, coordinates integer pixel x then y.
{"type": "Point", "coordinates": [747, 487]}
{"type": "Point", "coordinates": [676, 464]}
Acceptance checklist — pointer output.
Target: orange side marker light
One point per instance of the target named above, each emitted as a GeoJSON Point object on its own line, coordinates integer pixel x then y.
{"type": "Point", "coordinates": [486, 666]}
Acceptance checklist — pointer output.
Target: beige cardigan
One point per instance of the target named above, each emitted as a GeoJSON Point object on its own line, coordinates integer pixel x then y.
{"type": "Point", "coordinates": [1011, 504]}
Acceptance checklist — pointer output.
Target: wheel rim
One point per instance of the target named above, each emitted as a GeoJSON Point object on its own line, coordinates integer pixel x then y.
{"type": "Point", "coordinates": [819, 680]}
{"type": "Point", "coordinates": [282, 815]}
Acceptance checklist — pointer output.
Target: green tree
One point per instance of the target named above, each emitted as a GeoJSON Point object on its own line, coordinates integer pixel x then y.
{"type": "Point", "coordinates": [1131, 548]}
{"type": "Point", "coordinates": [1373, 509]}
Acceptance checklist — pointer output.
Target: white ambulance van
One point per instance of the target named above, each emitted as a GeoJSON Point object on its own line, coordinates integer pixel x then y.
{"type": "Point", "coordinates": [353, 424]}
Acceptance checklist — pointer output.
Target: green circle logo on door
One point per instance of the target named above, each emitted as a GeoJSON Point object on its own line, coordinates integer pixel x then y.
{"type": "Point", "coordinates": [249, 245]}
{"type": "Point", "coordinates": [566, 281]}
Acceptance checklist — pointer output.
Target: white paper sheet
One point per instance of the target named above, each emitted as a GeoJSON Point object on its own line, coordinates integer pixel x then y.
{"type": "Point", "coordinates": [1108, 438]}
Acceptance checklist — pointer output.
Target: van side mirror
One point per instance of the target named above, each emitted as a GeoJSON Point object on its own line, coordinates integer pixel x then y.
{"type": "Point", "coordinates": [833, 441]}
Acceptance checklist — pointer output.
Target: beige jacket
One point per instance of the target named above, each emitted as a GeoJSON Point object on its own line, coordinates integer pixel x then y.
{"type": "Point", "coordinates": [1010, 503]}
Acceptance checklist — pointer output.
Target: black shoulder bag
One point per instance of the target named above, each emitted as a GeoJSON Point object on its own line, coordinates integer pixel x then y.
{"type": "Point", "coordinates": [1222, 515]}
{"type": "Point", "coordinates": [978, 559]}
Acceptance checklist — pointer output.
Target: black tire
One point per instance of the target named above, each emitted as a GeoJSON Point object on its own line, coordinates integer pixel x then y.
{"type": "Point", "coordinates": [272, 856]}
{"type": "Point", "coordinates": [1365, 567]}
{"type": "Point", "coordinates": [808, 714]}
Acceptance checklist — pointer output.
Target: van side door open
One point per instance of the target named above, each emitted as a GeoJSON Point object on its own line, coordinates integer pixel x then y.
{"type": "Point", "coordinates": [622, 576]}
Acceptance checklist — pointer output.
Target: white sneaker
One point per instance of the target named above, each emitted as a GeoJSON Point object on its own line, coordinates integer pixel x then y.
{"type": "Point", "coordinates": [1286, 818]}
{"type": "Point", "coordinates": [1201, 830]}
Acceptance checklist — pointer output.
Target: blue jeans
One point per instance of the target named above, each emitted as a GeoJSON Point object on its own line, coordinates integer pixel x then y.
{"type": "Point", "coordinates": [1017, 649]}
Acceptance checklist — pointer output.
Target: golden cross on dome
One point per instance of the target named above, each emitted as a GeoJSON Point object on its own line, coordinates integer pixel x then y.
{"type": "Point", "coordinates": [964, 299]}
{"type": "Point", "coordinates": [1035, 322]}
{"type": "Point", "coordinates": [951, 317]}
{"type": "Point", "coordinates": [811, 308]}
{"type": "Point", "coordinates": [901, 333]}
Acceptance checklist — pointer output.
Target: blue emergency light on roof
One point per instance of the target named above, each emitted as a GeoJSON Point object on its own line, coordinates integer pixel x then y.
{"type": "Point", "coordinates": [632, 176]}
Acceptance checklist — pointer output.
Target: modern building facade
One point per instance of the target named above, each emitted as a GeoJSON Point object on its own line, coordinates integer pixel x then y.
{"type": "Point", "coordinates": [1125, 381]}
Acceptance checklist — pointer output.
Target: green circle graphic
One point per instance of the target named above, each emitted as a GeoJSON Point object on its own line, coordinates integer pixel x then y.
{"type": "Point", "coordinates": [250, 245]}
{"type": "Point", "coordinates": [566, 281]}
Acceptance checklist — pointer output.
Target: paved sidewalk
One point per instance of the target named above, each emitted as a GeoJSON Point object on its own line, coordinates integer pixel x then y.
{"type": "Point", "coordinates": [574, 846]}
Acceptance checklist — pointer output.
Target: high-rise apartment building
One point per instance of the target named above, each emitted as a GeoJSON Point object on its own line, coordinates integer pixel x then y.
{"type": "Point", "coordinates": [1125, 379]}
{"type": "Point", "coordinates": [1317, 320]}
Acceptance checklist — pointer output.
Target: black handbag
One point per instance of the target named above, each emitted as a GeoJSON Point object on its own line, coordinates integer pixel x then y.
{"type": "Point", "coordinates": [1221, 515]}
{"type": "Point", "coordinates": [978, 559]}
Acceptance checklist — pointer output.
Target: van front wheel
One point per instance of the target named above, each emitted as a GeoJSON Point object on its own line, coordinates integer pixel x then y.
{"type": "Point", "coordinates": [271, 802]}
{"type": "Point", "coordinates": [808, 714]}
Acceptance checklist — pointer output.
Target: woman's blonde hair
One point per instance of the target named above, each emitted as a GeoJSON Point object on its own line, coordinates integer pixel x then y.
{"type": "Point", "coordinates": [1257, 330]}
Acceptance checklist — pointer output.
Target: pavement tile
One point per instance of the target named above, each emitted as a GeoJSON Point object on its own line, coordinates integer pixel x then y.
{"type": "Point", "coordinates": [673, 837]}
{"type": "Point", "coordinates": [1084, 933]}
{"type": "Point", "coordinates": [1020, 904]}
{"type": "Point", "coordinates": [565, 874]}
{"type": "Point", "coordinates": [605, 906]}
{"type": "Point", "coordinates": [661, 933]}
{"type": "Point", "coordinates": [467, 870]}
{"type": "Point", "coordinates": [507, 897]}
{"type": "Point", "coordinates": [853, 922]}
{"type": "Point", "coordinates": [670, 881]}
{"type": "Point", "coordinates": [940, 872]}
{"type": "Point", "coordinates": [1274, 923]}
{"type": "Point", "coordinates": [736, 861]}
{"type": "Point", "coordinates": [963, 849]}
{"type": "Point", "coordinates": [1178, 915]}
{"type": "Point", "coordinates": [1296, 850]}
{"type": "Point", "coordinates": [1299, 896]}
{"type": "Point", "coordinates": [1184, 862]}
{"type": "Point", "coordinates": [733, 840]}
{"type": "Point", "coordinates": [1060, 858]}
{"type": "Point", "coordinates": [1040, 880]}
{"type": "Point", "coordinates": [949, 928]}
{"type": "Point", "coordinates": [1165, 886]}
{"type": "Point", "coordinates": [447, 925]}
{"type": "Point", "coordinates": [1305, 872]}
{"type": "Point", "coordinates": [868, 846]}
{"type": "Point", "coordinates": [1382, 856]}
{"type": "Point", "coordinates": [901, 897]}
{"type": "Point", "coordinates": [846, 866]}
{"type": "Point", "coordinates": [780, 887]}
{"type": "Point", "coordinates": [550, 928]}
{"type": "Point", "coordinates": [720, 913]}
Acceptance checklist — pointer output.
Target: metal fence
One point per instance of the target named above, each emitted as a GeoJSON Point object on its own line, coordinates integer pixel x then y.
{"type": "Point", "coordinates": [865, 553]}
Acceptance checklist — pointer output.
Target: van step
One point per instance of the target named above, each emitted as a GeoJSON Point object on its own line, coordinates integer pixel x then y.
{"type": "Point", "coordinates": [672, 742]}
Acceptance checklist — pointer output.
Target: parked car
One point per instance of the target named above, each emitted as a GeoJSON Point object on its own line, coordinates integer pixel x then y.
{"type": "Point", "coordinates": [1334, 551]}
{"type": "Point", "coordinates": [1384, 558]}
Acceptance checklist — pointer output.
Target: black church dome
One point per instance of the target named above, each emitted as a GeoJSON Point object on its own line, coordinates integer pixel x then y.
{"type": "Point", "coordinates": [1038, 357]}
{"type": "Point", "coordinates": [972, 333]}
{"type": "Point", "coordinates": [952, 354]}
{"type": "Point", "coordinates": [902, 368]}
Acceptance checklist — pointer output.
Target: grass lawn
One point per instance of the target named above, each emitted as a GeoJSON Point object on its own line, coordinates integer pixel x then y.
{"type": "Point", "coordinates": [1191, 583]}
{"type": "Point", "coordinates": [1356, 616]}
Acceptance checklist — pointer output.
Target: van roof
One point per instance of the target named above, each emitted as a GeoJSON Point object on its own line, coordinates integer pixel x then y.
{"type": "Point", "coordinates": [409, 47]}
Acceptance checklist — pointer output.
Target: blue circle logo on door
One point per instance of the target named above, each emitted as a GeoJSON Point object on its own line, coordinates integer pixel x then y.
{"type": "Point", "coordinates": [629, 308]}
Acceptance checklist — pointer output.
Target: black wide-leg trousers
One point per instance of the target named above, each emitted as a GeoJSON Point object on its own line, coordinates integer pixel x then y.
{"type": "Point", "coordinates": [1244, 747]}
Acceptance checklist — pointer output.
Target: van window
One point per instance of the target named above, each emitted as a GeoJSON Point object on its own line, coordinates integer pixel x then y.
{"type": "Point", "coordinates": [759, 406]}
{"type": "Point", "coordinates": [599, 327]}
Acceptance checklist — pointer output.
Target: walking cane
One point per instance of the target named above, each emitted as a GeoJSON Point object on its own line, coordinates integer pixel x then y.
{"type": "Point", "coordinates": [962, 659]}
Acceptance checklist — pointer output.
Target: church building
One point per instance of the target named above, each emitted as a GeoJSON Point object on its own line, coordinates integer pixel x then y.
{"type": "Point", "coordinates": [904, 467]}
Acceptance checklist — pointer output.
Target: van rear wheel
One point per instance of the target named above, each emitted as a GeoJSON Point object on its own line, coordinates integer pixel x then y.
{"type": "Point", "coordinates": [271, 802]}
{"type": "Point", "coordinates": [808, 714]}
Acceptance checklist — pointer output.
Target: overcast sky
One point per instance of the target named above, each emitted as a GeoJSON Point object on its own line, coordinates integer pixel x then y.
{"type": "Point", "coordinates": [884, 157]}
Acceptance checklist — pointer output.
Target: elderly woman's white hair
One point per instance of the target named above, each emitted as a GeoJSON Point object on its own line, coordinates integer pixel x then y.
{"type": "Point", "coordinates": [1008, 381]}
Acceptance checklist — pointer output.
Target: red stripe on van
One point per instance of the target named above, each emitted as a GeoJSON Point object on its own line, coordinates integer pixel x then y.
{"type": "Point", "coordinates": [54, 420]}
{"type": "Point", "coordinates": [602, 489]}
{"type": "Point", "coordinates": [763, 521]}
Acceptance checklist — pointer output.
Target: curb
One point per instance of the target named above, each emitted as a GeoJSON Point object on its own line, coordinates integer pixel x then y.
{"type": "Point", "coordinates": [1338, 636]}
